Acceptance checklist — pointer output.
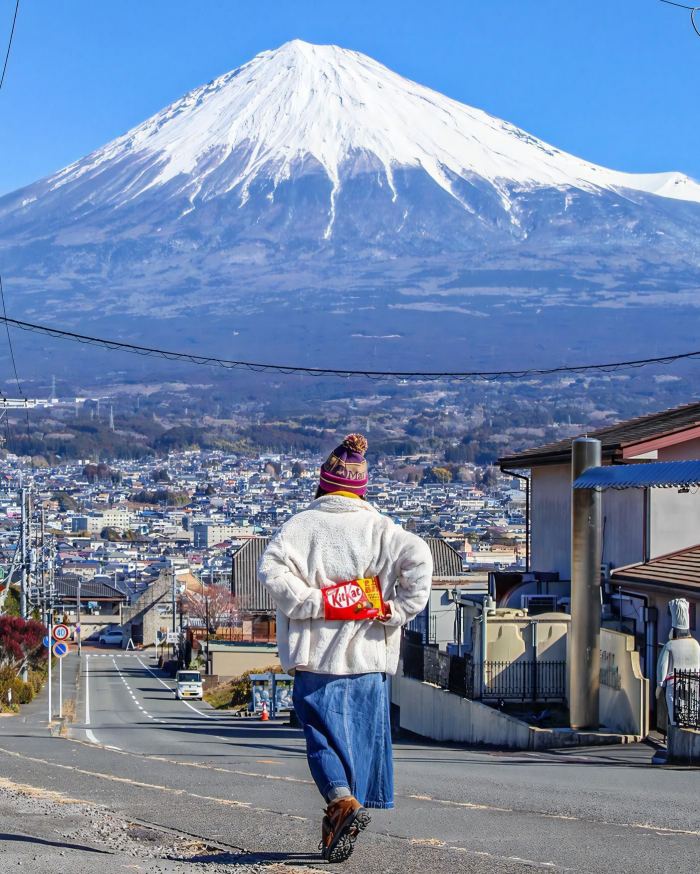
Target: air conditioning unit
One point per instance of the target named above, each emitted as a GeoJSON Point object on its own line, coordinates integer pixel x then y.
{"type": "Point", "coordinates": [535, 604]}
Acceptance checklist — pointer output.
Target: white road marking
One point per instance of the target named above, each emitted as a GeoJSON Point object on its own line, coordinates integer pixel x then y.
{"type": "Point", "coordinates": [88, 732]}
{"type": "Point", "coordinates": [169, 688]}
{"type": "Point", "coordinates": [129, 690]}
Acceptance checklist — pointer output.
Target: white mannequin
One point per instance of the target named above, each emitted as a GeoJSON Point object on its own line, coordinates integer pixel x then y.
{"type": "Point", "coordinates": [681, 653]}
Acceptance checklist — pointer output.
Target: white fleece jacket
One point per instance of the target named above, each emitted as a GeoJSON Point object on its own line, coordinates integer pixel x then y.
{"type": "Point", "coordinates": [336, 539]}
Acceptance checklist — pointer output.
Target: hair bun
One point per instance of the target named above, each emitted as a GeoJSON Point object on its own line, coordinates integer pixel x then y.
{"type": "Point", "coordinates": [356, 443]}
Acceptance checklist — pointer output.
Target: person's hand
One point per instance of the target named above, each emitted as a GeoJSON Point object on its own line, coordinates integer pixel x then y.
{"type": "Point", "coordinates": [387, 613]}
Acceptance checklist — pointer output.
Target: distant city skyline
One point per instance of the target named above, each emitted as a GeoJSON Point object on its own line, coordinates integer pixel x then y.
{"type": "Point", "coordinates": [608, 84]}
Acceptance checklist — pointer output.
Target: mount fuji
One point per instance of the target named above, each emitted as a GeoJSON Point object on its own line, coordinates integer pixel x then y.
{"type": "Point", "coordinates": [312, 206]}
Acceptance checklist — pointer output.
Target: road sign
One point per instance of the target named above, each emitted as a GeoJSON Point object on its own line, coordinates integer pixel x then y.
{"type": "Point", "coordinates": [60, 649]}
{"type": "Point", "coordinates": [172, 637]}
{"type": "Point", "coordinates": [46, 641]}
{"type": "Point", "coordinates": [61, 632]}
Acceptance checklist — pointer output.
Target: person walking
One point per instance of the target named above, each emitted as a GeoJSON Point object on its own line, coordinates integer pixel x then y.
{"type": "Point", "coordinates": [345, 578]}
{"type": "Point", "coordinates": [680, 653]}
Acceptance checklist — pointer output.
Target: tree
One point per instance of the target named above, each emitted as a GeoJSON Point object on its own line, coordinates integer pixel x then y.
{"type": "Point", "coordinates": [21, 642]}
{"type": "Point", "coordinates": [110, 534]}
{"type": "Point", "coordinates": [438, 475]}
{"type": "Point", "coordinates": [297, 469]}
{"type": "Point", "coordinates": [216, 604]}
{"type": "Point", "coordinates": [66, 502]}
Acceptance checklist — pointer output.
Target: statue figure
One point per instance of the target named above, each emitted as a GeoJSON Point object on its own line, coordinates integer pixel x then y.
{"type": "Point", "coordinates": [681, 653]}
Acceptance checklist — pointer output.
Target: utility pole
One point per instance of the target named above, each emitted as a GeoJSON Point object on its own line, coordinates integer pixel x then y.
{"type": "Point", "coordinates": [24, 524]}
{"type": "Point", "coordinates": [173, 596]}
{"type": "Point", "coordinates": [586, 548]}
{"type": "Point", "coordinates": [79, 626]}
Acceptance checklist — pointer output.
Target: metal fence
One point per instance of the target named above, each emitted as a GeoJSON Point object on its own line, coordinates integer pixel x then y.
{"type": "Point", "coordinates": [686, 699]}
{"type": "Point", "coordinates": [428, 664]}
{"type": "Point", "coordinates": [525, 680]}
{"type": "Point", "coordinates": [519, 681]}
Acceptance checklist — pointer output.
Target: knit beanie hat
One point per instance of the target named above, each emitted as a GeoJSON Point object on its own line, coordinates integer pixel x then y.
{"type": "Point", "coordinates": [680, 614]}
{"type": "Point", "coordinates": [345, 469]}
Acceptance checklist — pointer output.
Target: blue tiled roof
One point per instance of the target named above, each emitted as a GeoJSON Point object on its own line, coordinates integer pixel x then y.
{"type": "Point", "coordinates": [655, 474]}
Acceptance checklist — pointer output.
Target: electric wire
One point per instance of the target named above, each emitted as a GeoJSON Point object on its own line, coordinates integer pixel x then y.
{"type": "Point", "coordinates": [679, 5]}
{"type": "Point", "coordinates": [9, 44]}
{"type": "Point", "coordinates": [694, 10]}
{"type": "Point", "coordinates": [287, 369]}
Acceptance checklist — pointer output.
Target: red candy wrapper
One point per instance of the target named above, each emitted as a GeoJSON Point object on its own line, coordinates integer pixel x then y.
{"type": "Point", "coordinates": [354, 599]}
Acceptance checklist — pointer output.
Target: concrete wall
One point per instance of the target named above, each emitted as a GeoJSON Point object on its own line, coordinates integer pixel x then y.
{"type": "Point", "coordinates": [442, 716]}
{"type": "Point", "coordinates": [625, 709]}
{"type": "Point", "coordinates": [683, 745]}
{"type": "Point", "coordinates": [235, 661]}
{"type": "Point", "coordinates": [435, 713]}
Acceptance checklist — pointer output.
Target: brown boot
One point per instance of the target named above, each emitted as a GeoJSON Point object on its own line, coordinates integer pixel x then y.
{"type": "Point", "coordinates": [344, 820]}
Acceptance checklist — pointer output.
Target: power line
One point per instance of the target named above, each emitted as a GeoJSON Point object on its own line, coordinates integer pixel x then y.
{"type": "Point", "coordinates": [9, 341]}
{"type": "Point", "coordinates": [694, 10]}
{"type": "Point", "coordinates": [264, 367]}
{"type": "Point", "coordinates": [679, 5]}
{"type": "Point", "coordinates": [9, 44]}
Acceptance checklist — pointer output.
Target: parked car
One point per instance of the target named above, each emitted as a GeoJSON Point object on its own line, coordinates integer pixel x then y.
{"type": "Point", "coordinates": [111, 637]}
{"type": "Point", "coordinates": [188, 685]}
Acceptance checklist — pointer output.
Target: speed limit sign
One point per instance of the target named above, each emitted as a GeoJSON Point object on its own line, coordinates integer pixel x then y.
{"type": "Point", "coordinates": [61, 632]}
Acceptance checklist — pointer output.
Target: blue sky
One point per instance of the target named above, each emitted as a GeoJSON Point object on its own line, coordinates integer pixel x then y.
{"type": "Point", "coordinates": [614, 81]}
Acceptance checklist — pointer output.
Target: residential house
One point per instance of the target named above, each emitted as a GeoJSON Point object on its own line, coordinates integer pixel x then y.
{"type": "Point", "coordinates": [651, 536]}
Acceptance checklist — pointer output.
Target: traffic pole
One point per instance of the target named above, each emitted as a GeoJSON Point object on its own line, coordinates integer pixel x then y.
{"type": "Point", "coordinates": [50, 626]}
{"type": "Point", "coordinates": [60, 688]}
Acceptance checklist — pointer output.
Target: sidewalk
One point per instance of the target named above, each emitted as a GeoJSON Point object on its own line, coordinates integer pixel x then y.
{"type": "Point", "coordinates": [36, 713]}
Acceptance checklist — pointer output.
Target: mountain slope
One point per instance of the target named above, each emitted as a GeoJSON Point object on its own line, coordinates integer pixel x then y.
{"type": "Point", "coordinates": [313, 173]}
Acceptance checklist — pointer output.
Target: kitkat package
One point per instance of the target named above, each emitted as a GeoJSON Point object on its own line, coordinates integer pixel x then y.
{"type": "Point", "coordinates": [354, 599]}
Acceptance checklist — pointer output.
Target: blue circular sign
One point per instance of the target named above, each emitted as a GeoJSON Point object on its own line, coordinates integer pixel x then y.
{"type": "Point", "coordinates": [46, 640]}
{"type": "Point", "coordinates": [60, 649]}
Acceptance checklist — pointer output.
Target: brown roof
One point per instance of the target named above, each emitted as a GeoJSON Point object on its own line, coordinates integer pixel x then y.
{"type": "Point", "coordinates": [676, 571]}
{"type": "Point", "coordinates": [613, 437]}
{"type": "Point", "coordinates": [447, 562]}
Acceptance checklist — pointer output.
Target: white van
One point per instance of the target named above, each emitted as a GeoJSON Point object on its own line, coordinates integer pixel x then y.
{"type": "Point", "coordinates": [188, 685]}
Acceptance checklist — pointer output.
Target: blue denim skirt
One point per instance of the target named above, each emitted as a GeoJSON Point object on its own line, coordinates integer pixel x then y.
{"type": "Point", "coordinates": [348, 734]}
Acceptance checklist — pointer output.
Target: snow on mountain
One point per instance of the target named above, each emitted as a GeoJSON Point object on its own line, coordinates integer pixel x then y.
{"type": "Point", "coordinates": [313, 206]}
{"type": "Point", "coordinates": [346, 112]}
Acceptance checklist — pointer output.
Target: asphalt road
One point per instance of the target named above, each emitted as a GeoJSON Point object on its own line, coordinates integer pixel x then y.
{"type": "Point", "coordinates": [245, 784]}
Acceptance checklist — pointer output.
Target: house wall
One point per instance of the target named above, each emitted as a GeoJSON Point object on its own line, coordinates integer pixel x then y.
{"type": "Point", "coordinates": [681, 451]}
{"type": "Point", "coordinates": [674, 521]}
{"type": "Point", "coordinates": [623, 514]}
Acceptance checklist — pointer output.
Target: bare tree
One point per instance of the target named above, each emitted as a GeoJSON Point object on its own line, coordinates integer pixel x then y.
{"type": "Point", "coordinates": [215, 605]}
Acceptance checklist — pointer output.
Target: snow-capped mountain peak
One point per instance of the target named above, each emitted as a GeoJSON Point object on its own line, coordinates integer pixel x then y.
{"type": "Point", "coordinates": [306, 106]}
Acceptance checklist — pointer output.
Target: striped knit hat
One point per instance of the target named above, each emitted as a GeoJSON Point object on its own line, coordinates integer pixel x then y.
{"type": "Point", "coordinates": [345, 469]}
